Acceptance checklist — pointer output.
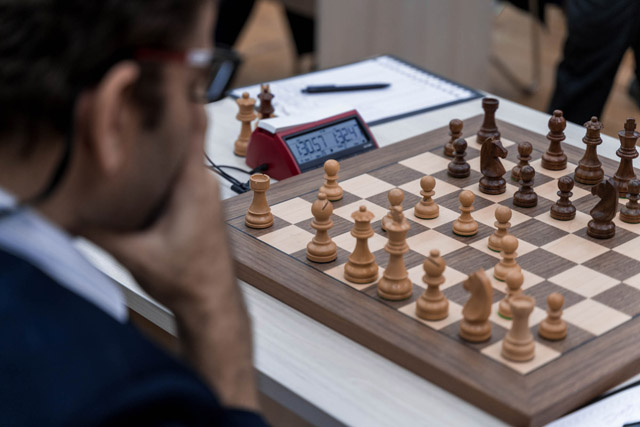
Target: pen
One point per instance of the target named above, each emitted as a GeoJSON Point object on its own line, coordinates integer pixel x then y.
{"type": "Point", "coordinates": [346, 88]}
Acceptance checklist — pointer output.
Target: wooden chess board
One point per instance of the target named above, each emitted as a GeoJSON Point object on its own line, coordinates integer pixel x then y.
{"type": "Point", "coordinates": [600, 279]}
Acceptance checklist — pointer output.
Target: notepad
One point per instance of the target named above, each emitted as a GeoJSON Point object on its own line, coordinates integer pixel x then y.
{"type": "Point", "coordinates": [412, 91]}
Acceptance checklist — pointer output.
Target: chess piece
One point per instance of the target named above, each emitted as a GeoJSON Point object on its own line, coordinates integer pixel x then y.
{"type": "Point", "coordinates": [525, 197]}
{"type": "Point", "coordinates": [321, 248]}
{"type": "Point", "coordinates": [603, 213]}
{"type": "Point", "coordinates": [502, 224]}
{"type": "Point", "coordinates": [518, 344]}
{"type": "Point", "coordinates": [555, 159]}
{"type": "Point", "coordinates": [458, 167]}
{"type": "Point", "coordinates": [396, 197]}
{"type": "Point", "coordinates": [589, 170]}
{"type": "Point", "coordinates": [455, 131]}
{"type": "Point", "coordinates": [259, 213]}
{"type": "Point", "coordinates": [427, 208]}
{"type": "Point", "coordinates": [524, 155]}
{"type": "Point", "coordinates": [395, 284]}
{"type": "Point", "coordinates": [492, 170]}
{"type": "Point", "coordinates": [265, 109]}
{"type": "Point", "coordinates": [553, 328]}
{"type": "Point", "coordinates": [563, 209]}
{"type": "Point", "coordinates": [514, 281]}
{"type": "Point", "coordinates": [432, 304]}
{"type": "Point", "coordinates": [475, 325]}
{"type": "Point", "coordinates": [465, 225]}
{"type": "Point", "coordinates": [631, 211]}
{"type": "Point", "coordinates": [331, 187]}
{"type": "Point", "coordinates": [627, 152]}
{"type": "Point", "coordinates": [361, 266]}
{"type": "Point", "coordinates": [246, 115]}
{"type": "Point", "coordinates": [508, 262]}
{"type": "Point", "coordinates": [489, 129]}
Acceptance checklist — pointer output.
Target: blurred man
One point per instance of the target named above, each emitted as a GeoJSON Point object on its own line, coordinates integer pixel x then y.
{"type": "Point", "coordinates": [101, 136]}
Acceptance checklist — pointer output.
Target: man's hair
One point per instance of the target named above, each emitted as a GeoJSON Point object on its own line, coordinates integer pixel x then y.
{"type": "Point", "coordinates": [51, 50]}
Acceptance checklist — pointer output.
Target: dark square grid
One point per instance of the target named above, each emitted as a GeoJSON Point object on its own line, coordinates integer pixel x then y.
{"type": "Point", "coordinates": [458, 294]}
{"type": "Point", "coordinates": [484, 231]}
{"type": "Point", "coordinates": [537, 232]}
{"type": "Point", "coordinates": [542, 290]}
{"type": "Point", "coordinates": [452, 201]}
{"type": "Point", "coordinates": [497, 333]}
{"type": "Point", "coordinates": [347, 198]}
{"type": "Point", "coordinates": [382, 199]}
{"type": "Point", "coordinates": [575, 337]}
{"type": "Point", "coordinates": [340, 226]}
{"type": "Point", "coordinates": [621, 297]}
{"type": "Point", "coordinates": [585, 203]}
{"type": "Point", "coordinates": [397, 174]}
{"type": "Point", "coordinates": [543, 206]}
{"type": "Point", "coordinates": [238, 223]}
{"type": "Point", "coordinates": [467, 260]}
{"type": "Point", "coordinates": [544, 263]}
{"type": "Point", "coordinates": [414, 229]}
{"type": "Point", "coordinates": [301, 255]}
{"type": "Point", "coordinates": [471, 152]}
{"type": "Point", "coordinates": [622, 236]}
{"type": "Point", "coordinates": [372, 291]}
{"type": "Point", "coordinates": [411, 258]}
{"type": "Point", "coordinates": [615, 265]}
{"type": "Point", "coordinates": [473, 178]}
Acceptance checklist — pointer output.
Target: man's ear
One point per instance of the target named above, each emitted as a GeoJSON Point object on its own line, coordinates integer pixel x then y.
{"type": "Point", "coordinates": [108, 114]}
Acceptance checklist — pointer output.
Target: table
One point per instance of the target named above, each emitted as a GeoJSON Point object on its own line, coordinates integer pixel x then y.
{"type": "Point", "coordinates": [310, 369]}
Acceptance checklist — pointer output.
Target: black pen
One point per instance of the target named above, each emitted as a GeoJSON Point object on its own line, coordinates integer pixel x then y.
{"type": "Point", "coordinates": [346, 88]}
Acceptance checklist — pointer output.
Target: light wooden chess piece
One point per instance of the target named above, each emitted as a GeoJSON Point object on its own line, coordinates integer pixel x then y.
{"type": "Point", "coordinates": [508, 262]}
{"type": "Point", "coordinates": [259, 213]}
{"type": "Point", "coordinates": [361, 266]}
{"type": "Point", "coordinates": [518, 344]}
{"type": "Point", "coordinates": [465, 225]}
{"type": "Point", "coordinates": [427, 208]}
{"type": "Point", "coordinates": [553, 327]}
{"type": "Point", "coordinates": [396, 197]}
{"type": "Point", "coordinates": [502, 224]}
{"type": "Point", "coordinates": [395, 283]}
{"type": "Point", "coordinates": [432, 304]}
{"type": "Point", "coordinates": [475, 325]}
{"type": "Point", "coordinates": [321, 248]}
{"type": "Point", "coordinates": [331, 187]}
{"type": "Point", "coordinates": [515, 279]}
{"type": "Point", "coordinates": [246, 115]}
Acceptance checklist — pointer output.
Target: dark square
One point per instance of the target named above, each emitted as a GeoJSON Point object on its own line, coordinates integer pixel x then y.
{"type": "Point", "coordinates": [484, 231]}
{"type": "Point", "coordinates": [238, 223]}
{"type": "Point", "coordinates": [621, 297]}
{"type": "Point", "coordinates": [340, 226]}
{"type": "Point", "coordinates": [542, 290]}
{"type": "Point", "coordinates": [347, 198]}
{"type": "Point", "coordinates": [409, 201]}
{"type": "Point", "coordinates": [497, 333]}
{"type": "Point", "coordinates": [414, 229]}
{"type": "Point", "coordinates": [539, 179]}
{"type": "Point", "coordinates": [397, 174]}
{"type": "Point", "coordinates": [473, 178]}
{"type": "Point", "coordinates": [575, 338]}
{"type": "Point", "coordinates": [543, 206]}
{"type": "Point", "coordinates": [301, 255]}
{"type": "Point", "coordinates": [411, 258]}
{"type": "Point", "coordinates": [537, 232]}
{"type": "Point", "coordinates": [544, 263]}
{"type": "Point", "coordinates": [452, 201]}
{"type": "Point", "coordinates": [586, 203]}
{"type": "Point", "coordinates": [468, 259]}
{"type": "Point", "coordinates": [372, 291]}
{"type": "Point", "coordinates": [622, 236]}
{"type": "Point", "coordinates": [471, 152]}
{"type": "Point", "coordinates": [615, 265]}
{"type": "Point", "coordinates": [458, 294]}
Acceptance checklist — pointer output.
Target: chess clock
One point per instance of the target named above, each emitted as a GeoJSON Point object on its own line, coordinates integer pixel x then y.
{"type": "Point", "coordinates": [305, 147]}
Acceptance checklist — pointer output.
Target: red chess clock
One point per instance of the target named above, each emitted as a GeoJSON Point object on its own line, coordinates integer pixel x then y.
{"type": "Point", "coordinates": [301, 148]}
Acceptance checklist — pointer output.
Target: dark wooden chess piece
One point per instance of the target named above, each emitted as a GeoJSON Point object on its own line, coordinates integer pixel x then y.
{"type": "Point", "coordinates": [589, 170]}
{"type": "Point", "coordinates": [265, 109]}
{"type": "Point", "coordinates": [555, 159]}
{"type": "Point", "coordinates": [631, 211]}
{"type": "Point", "coordinates": [627, 152]}
{"type": "Point", "coordinates": [455, 131]}
{"type": "Point", "coordinates": [602, 226]}
{"type": "Point", "coordinates": [563, 209]}
{"type": "Point", "coordinates": [489, 129]}
{"type": "Point", "coordinates": [458, 167]}
{"type": "Point", "coordinates": [525, 197]}
{"type": "Point", "coordinates": [492, 170]}
{"type": "Point", "coordinates": [524, 155]}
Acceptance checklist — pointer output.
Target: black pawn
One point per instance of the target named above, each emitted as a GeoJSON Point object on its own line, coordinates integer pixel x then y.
{"type": "Point", "coordinates": [631, 211]}
{"type": "Point", "coordinates": [524, 155]}
{"type": "Point", "coordinates": [526, 197]}
{"type": "Point", "coordinates": [458, 167]}
{"type": "Point", "coordinates": [563, 209]}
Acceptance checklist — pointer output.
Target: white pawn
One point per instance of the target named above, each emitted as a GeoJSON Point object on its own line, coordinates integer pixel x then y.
{"type": "Point", "coordinates": [427, 208]}
{"type": "Point", "coordinates": [508, 262]}
{"type": "Point", "coordinates": [514, 289]}
{"type": "Point", "coordinates": [553, 327]}
{"type": "Point", "coordinates": [465, 225]}
{"type": "Point", "coordinates": [502, 224]}
{"type": "Point", "coordinates": [396, 197]}
{"type": "Point", "coordinates": [331, 187]}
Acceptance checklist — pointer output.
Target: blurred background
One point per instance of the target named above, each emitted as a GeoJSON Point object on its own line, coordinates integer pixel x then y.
{"type": "Point", "coordinates": [488, 45]}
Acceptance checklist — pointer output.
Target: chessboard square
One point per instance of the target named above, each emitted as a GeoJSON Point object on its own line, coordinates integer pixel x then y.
{"type": "Point", "coordinates": [594, 316]}
{"type": "Point", "coordinates": [452, 277]}
{"type": "Point", "coordinates": [372, 291]}
{"type": "Point", "coordinates": [622, 297]}
{"type": "Point", "coordinates": [616, 265]}
{"type": "Point", "coordinates": [468, 259]}
{"type": "Point", "coordinates": [634, 228]}
{"type": "Point", "coordinates": [621, 237]}
{"type": "Point", "coordinates": [475, 165]}
{"type": "Point", "coordinates": [542, 290]}
{"type": "Point", "coordinates": [347, 198]}
{"type": "Point", "coordinates": [530, 280]}
{"type": "Point", "coordinates": [347, 242]}
{"type": "Point", "coordinates": [543, 206]}
{"type": "Point", "coordinates": [288, 239]}
{"type": "Point", "coordinates": [483, 245]}
{"type": "Point", "coordinates": [365, 186]}
{"type": "Point", "coordinates": [455, 314]}
{"type": "Point", "coordinates": [340, 226]}
{"type": "Point", "coordinates": [536, 232]}
{"type": "Point", "coordinates": [473, 178]}
{"type": "Point", "coordinates": [497, 334]}
{"type": "Point", "coordinates": [584, 281]}
{"type": "Point", "coordinates": [426, 163]}
{"type": "Point", "coordinates": [537, 165]}
{"type": "Point", "coordinates": [575, 337]}
{"type": "Point", "coordinates": [345, 211]}
{"type": "Point", "coordinates": [411, 258]}
{"type": "Point", "coordinates": [536, 316]}
{"type": "Point", "coordinates": [543, 355]}
{"type": "Point", "coordinates": [495, 198]}
{"type": "Point", "coordinates": [293, 210]}
{"type": "Point", "coordinates": [580, 221]}
{"type": "Point", "coordinates": [549, 191]}
{"type": "Point", "coordinates": [442, 188]}
{"type": "Point", "coordinates": [382, 199]}
{"type": "Point", "coordinates": [444, 216]}
{"type": "Point", "coordinates": [586, 203]}
{"type": "Point", "coordinates": [239, 223]}
{"type": "Point", "coordinates": [398, 175]}
{"type": "Point", "coordinates": [452, 201]}
{"type": "Point", "coordinates": [484, 231]}
{"type": "Point", "coordinates": [338, 273]}
{"type": "Point", "coordinates": [301, 256]}
{"type": "Point", "coordinates": [543, 263]}
{"type": "Point", "coordinates": [431, 239]}
{"type": "Point", "coordinates": [575, 248]}
{"type": "Point", "coordinates": [633, 281]}
{"type": "Point", "coordinates": [632, 247]}
{"type": "Point", "coordinates": [460, 295]}
{"type": "Point", "coordinates": [487, 216]}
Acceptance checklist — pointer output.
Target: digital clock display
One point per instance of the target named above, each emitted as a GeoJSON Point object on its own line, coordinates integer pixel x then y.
{"type": "Point", "coordinates": [312, 148]}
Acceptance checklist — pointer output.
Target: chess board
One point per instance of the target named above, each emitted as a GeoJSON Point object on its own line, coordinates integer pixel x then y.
{"type": "Point", "coordinates": [599, 279]}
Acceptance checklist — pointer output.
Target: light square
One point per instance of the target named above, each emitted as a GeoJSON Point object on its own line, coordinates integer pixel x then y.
{"type": "Point", "coordinates": [487, 216]}
{"type": "Point", "coordinates": [578, 223]}
{"type": "Point", "coordinates": [293, 210]}
{"type": "Point", "coordinates": [549, 191]}
{"type": "Point", "coordinates": [455, 314]}
{"type": "Point", "coordinates": [483, 245]}
{"type": "Point", "coordinates": [445, 216]}
{"type": "Point", "coordinates": [633, 281]}
{"type": "Point", "coordinates": [427, 163]}
{"type": "Point", "coordinates": [537, 165]}
{"type": "Point", "coordinates": [634, 228]}
{"type": "Point", "coordinates": [345, 211]}
{"type": "Point", "coordinates": [288, 239]}
{"type": "Point", "coordinates": [530, 280]}
{"type": "Point", "coordinates": [495, 198]}
{"type": "Point", "coordinates": [630, 248]}
{"type": "Point", "coordinates": [365, 186]}
{"type": "Point", "coordinates": [338, 273]}
{"type": "Point", "coordinates": [594, 317]}
{"type": "Point", "coordinates": [543, 355]}
{"type": "Point", "coordinates": [442, 188]}
{"type": "Point", "coordinates": [475, 165]}
{"type": "Point", "coordinates": [451, 276]}
{"type": "Point", "coordinates": [584, 281]}
{"type": "Point", "coordinates": [431, 239]}
{"type": "Point", "coordinates": [536, 316]}
{"type": "Point", "coordinates": [347, 242]}
{"type": "Point", "coordinates": [575, 248]}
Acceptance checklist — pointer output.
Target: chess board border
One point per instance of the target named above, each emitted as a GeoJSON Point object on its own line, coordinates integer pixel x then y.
{"type": "Point", "coordinates": [533, 399]}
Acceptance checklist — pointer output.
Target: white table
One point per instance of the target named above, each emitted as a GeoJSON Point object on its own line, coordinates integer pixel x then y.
{"type": "Point", "coordinates": [310, 369]}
